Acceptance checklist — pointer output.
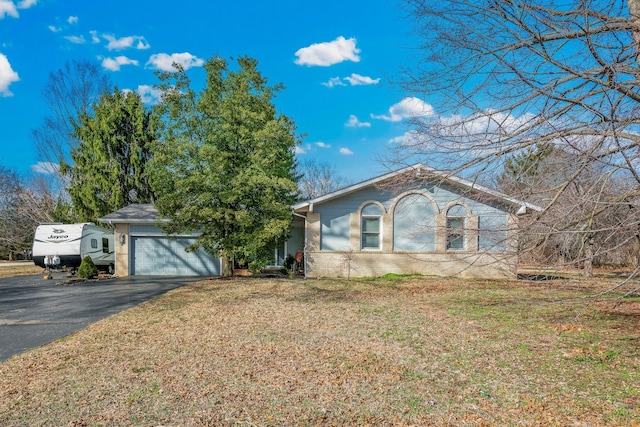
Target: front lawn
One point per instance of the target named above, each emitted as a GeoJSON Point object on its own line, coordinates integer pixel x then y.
{"type": "Point", "coordinates": [11, 270]}
{"type": "Point", "coordinates": [393, 351]}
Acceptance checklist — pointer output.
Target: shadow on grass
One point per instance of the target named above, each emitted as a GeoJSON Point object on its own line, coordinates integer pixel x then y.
{"type": "Point", "coordinates": [540, 277]}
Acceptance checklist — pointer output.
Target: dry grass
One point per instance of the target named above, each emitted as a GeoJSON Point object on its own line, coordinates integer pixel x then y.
{"type": "Point", "coordinates": [19, 270]}
{"type": "Point", "coordinates": [411, 351]}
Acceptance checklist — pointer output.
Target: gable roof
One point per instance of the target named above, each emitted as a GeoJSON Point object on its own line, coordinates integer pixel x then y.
{"type": "Point", "coordinates": [419, 169]}
{"type": "Point", "coordinates": [134, 213]}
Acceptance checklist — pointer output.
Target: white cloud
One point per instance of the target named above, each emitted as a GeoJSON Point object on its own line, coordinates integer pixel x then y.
{"type": "Point", "coordinates": [149, 94]}
{"type": "Point", "coordinates": [329, 53]}
{"type": "Point", "coordinates": [407, 108]}
{"type": "Point", "coordinates": [72, 20]}
{"type": "Point", "coordinates": [354, 80]}
{"type": "Point", "coordinates": [7, 8]}
{"type": "Point", "coordinates": [114, 64]}
{"type": "Point", "coordinates": [479, 133]}
{"type": "Point", "coordinates": [128, 42]}
{"type": "Point", "coordinates": [54, 29]}
{"type": "Point", "coordinates": [46, 168]}
{"type": "Point", "coordinates": [485, 125]}
{"type": "Point", "coordinates": [323, 145]}
{"type": "Point", "coordinates": [26, 4]}
{"type": "Point", "coordinates": [353, 122]}
{"type": "Point", "coordinates": [333, 81]}
{"type": "Point", "coordinates": [346, 151]}
{"type": "Point", "coordinates": [76, 39]}
{"type": "Point", "coordinates": [164, 62]}
{"type": "Point", "coordinates": [410, 138]}
{"type": "Point", "coordinates": [357, 80]}
{"type": "Point", "coordinates": [94, 37]}
{"type": "Point", "coordinates": [7, 76]}
{"type": "Point", "coordinates": [299, 150]}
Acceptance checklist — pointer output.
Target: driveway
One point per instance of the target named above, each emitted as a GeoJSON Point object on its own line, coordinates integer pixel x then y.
{"type": "Point", "coordinates": [34, 311]}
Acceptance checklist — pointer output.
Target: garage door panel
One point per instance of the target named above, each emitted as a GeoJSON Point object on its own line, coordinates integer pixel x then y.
{"type": "Point", "coordinates": [166, 256]}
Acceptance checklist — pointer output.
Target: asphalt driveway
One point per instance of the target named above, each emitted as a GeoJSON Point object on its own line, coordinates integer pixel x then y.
{"type": "Point", "coordinates": [34, 311]}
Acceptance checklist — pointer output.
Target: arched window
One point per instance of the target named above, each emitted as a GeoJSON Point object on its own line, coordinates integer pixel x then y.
{"type": "Point", "coordinates": [456, 216]}
{"type": "Point", "coordinates": [414, 224]}
{"type": "Point", "coordinates": [371, 226]}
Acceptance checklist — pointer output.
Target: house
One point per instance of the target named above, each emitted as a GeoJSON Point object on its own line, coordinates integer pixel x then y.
{"type": "Point", "coordinates": [142, 248]}
{"type": "Point", "coordinates": [413, 220]}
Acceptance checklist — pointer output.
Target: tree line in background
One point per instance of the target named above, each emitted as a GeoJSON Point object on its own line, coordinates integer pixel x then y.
{"type": "Point", "coordinates": [590, 223]}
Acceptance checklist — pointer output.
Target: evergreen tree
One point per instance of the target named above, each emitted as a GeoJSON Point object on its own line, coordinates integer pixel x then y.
{"type": "Point", "coordinates": [63, 212]}
{"type": "Point", "coordinates": [110, 164]}
{"type": "Point", "coordinates": [226, 165]}
{"type": "Point", "coordinates": [87, 269]}
{"type": "Point", "coordinates": [522, 171]}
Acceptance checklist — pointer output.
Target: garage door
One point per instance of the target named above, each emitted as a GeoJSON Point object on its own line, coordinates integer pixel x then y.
{"type": "Point", "coordinates": [166, 257]}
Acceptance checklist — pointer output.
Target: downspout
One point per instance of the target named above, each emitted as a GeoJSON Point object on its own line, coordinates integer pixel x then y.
{"type": "Point", "coordinates": [304, 249]}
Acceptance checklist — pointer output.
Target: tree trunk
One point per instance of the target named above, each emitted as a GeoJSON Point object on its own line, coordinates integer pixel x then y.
{"type": "Point", "coordinates": [588, 255]}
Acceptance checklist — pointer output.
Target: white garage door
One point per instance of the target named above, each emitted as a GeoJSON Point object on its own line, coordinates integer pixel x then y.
{"type": "Point", "coordinates": [164, 256]}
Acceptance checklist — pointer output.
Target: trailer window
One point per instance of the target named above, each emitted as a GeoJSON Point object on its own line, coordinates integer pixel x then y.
{"type": "Point", "coordinates": [105, 245]}
{"type": "Point", "coordinates": [94, 243]}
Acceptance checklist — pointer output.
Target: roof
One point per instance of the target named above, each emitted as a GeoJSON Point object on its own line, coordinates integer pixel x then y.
{"type": "Point", "coordinates": [419, 168]}
{"type": "Point", "coordinates": [134, 213]}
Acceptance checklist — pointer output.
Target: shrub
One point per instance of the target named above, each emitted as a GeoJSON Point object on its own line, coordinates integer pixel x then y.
{"type": "Point", "coordinates": [289, 261]}
{"type": "Point", "coordinates": [87, 269]}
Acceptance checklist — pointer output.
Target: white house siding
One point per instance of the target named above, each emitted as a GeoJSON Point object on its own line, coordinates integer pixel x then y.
{"type": "Point", "coordinates": [493, 231]}
{"type": "Point", "coordinates": [334, 216]}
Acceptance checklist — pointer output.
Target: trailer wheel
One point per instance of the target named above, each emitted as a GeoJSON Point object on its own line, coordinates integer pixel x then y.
{"type": "Point", "coordinates": [111, 269]}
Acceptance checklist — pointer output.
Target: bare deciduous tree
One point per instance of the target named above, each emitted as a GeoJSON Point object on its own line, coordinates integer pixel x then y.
{"type": "Point", "coordinates": [22, 208]}
{"type": "Point", "coordinates": [506, 75]}
{"type": "Point", "coordinates": [317, 179]}
{"type": "Point", "coordinates": [69, 92]}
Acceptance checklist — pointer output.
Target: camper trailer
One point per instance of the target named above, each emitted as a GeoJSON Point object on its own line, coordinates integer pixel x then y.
{"type": "Point", "coordinates": [65, 246]}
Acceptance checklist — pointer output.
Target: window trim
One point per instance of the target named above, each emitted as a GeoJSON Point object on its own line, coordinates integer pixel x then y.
{"type": "Point", "coordinates": [378, 233]}
{"type": "Point", "coordinates": [363, 233]}
{"type": "Point", "coordinates": [456, 234]}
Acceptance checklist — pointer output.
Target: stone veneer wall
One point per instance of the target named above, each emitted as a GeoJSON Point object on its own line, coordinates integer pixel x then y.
{"type": "Point", "coordinates": [374, 264]}
{"type": "Point", "coordinates": [122, 250]}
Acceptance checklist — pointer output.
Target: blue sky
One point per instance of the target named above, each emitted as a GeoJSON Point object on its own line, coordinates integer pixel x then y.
{"type": "Point", "coordinates": [335, 58]}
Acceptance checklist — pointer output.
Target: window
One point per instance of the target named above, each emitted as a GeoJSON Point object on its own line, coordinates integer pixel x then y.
{"type": "Point", "coordinates": [105, 245]}
{"type": "Point", "coordinates": [455, 227]}
{"type": "Point", "coordinates": [370, 226]}
{"type": "Point", "coordinates": [455, 233]}
{"type": "Point", "coordinates": [94, 243]}
{"type": "Point", "coordinates": [414, 224]}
